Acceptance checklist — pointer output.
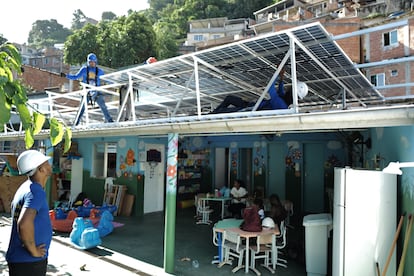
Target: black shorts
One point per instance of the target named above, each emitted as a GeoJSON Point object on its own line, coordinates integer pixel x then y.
{"type": "Point", "coordinates": [32, 268]}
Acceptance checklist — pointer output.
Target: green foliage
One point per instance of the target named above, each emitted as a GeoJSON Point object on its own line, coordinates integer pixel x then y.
{"type": "Point", "coordinates": [2, 39]}
{"type": "Point", "coordinates": [166, 40]}
{"type": "Point", "coordinates": [46, 33]}
{"type": "Point", "coordinates": [12, 93]}
{"type": "Point", "coordinates": [79, 20]}
{"type": "Point", "coordinates": [108, 16]}
{"type": "Point", "coordinates": [81, 43]}
{"type": "Point", "coordinates": [121, 42]}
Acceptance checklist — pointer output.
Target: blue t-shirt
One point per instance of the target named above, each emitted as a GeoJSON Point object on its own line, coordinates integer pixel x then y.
{"type": "Point", "coordinates": [276, 101]}
{"type": "Point", "coordinates": [30, 195]}
{"type": "Point", "coordinates": [88, 73]}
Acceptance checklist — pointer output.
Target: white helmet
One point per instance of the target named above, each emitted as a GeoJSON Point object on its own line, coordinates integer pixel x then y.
{"type": "Point", "coordinates": [268, 222]}
{"type": "Point", "coordinates": [29, 160]}
{"type": "Point", "coordinates": [302, 89]}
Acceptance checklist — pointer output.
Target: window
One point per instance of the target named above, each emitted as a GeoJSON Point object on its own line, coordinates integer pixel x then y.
{"type": "Point", "coordinates": [378, 79]}
{"type": "Point", "coordinates": [390, 38]}
{"type": "Point", "coordinates": [46, 61]}
{"type": "Point", "coordinates": [104, 160]}
{"type": "Point", "coordinates": [394, 73]}
{"type": "Point", "coordinates": [198, 37]}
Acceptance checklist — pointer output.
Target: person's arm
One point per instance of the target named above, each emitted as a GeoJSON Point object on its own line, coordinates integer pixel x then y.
{"type": "Point", "coordinates": [25, 228]}
{"type": "Point", "coordinates": [80, 74]}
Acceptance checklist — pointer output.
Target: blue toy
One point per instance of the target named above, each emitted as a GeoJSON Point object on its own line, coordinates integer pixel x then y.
{"type": "Point", "coordinates": [105, 226]}
{"type": "Point", "coordinates": [84, 235]}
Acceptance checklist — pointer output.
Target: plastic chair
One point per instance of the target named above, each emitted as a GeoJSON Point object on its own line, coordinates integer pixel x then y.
{"type": "Point", "coordinates": [217, 242]}
{"type": "Point", "coordinates": [281, 242]}
{"type": "Point", "coordinates": [262, 250]}
{"type": "Point", "coordinates": [233, 248]}
{"type": "Point", "coordinates": [202, 211]}
{"type": "Point", "coordinates": [196, 197]}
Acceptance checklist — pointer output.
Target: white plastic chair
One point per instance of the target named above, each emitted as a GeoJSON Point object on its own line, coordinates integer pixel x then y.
{"type": "Point", "coordinates": [232, 247]}
{"type": "Point", "coordinates": [281, 242]}
{"type": "Point", "coordinates": [263, 249]}
{"type": "Point", "coordinates": [202, 211]}
{"type": "Point", "coordinates": [217, 242]}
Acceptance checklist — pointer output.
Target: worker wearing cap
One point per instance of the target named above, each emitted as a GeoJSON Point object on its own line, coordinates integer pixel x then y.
{"type": "Point", "coordinates": [280, 98]}
{"type": "Point", "coordinates": [31, 232]}
{"type": "Point", "coordinates": [91, 74]}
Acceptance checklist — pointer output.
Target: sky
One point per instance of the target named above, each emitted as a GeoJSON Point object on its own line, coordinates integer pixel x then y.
{"type": "Point", "coordinates": [16, 21]}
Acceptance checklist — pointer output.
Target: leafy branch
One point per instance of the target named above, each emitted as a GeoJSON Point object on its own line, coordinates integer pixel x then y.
{"type": "Point", "coordinates": [13, 93]}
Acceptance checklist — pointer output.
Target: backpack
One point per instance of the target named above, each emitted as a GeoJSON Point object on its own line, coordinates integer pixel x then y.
{"type": "Point", "coordinates": [252, 222]}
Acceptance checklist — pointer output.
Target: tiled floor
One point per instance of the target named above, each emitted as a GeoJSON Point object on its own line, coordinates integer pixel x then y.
{"type": "Point", "coordinates": [143, 239]}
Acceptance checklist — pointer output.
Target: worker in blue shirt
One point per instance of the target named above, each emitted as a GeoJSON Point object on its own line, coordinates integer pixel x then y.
{"type": "Point", "coordinates": [31, 231]}
{"type": "Point", "coordinates": [279, 99]}
{"type": "Point", "coordinates": [91, 74]}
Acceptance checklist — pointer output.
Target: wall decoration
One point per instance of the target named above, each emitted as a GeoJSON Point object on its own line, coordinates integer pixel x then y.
{"type": "Point", "coordinates": [122, 143]}
{"type": "Point", "coordinates": [293, 156]}
{"type": "Point", "coordinates": [126, 164]}
{"type": "Point", "coordinates": [141, 145]}
{"type": "Point", "coordinates": [197, 142]}
{"type": "Point", "coordinates": [332, 162]}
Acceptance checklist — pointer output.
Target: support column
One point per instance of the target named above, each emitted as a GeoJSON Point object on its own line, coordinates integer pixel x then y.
{"type": "Point", "coordinates": [171, 203]}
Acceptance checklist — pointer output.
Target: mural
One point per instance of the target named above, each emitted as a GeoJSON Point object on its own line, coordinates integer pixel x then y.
{"type": "Point", "coordinates": [126, 164]}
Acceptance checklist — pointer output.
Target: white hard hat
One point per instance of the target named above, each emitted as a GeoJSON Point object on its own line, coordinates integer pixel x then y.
{"type": "Point", "coordinates": [29, 160]}
{"type": "Point", "coordinates": [268, 222]}
{"type": "Point", "coordinates": [302, 89]}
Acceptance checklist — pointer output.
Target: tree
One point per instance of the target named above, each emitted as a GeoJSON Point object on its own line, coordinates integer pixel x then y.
{"type": "Point", "coordinates": [166, 40]}
{"type": "Point", "coordinates": [80, 44]}
{"type": "Point", "coordinates": [121, 42]}
{"type": "Point", "coordinates": [46, 33]}
{"type": "Point", "coordinates": [79, 20]}
{"type": "Point", "coordinates": [108, 16]}
{"type": "Point", "coordinates": [2, 39]}
{"type": "Point", "coordinates": [13, 93]}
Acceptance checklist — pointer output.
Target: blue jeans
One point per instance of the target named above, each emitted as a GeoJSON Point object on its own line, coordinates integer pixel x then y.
{"type": "Point", "coordinates": [100, 100]}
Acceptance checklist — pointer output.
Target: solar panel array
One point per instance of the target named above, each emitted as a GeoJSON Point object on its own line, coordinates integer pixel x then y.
{"type": "Point", "coordinates": [197, 82]}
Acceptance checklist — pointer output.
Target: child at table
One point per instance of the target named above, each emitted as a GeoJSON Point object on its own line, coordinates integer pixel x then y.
{"type": "Point", "coordinates": [259, 203]}
{"type": "Point", "coordinates": [225, 191]}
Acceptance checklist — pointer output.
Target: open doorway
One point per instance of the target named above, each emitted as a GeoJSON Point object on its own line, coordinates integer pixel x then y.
{"type": "Point", "coordinates": [223, 174]}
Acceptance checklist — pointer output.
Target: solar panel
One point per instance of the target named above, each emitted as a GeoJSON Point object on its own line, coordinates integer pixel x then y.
{"type": "Point", "coordinates": [244, 68]}
{"type": "Point", "coordinates": [197, 82]}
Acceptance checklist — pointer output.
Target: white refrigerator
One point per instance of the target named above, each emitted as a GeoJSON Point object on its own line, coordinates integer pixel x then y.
{"type": "Point", "coordinates": [364, 221]}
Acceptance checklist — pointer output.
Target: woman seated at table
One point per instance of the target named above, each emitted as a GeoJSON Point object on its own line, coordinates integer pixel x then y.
{"type": "Point", "coordinates": [239, 195]}
{"type": "Point", "coordinates": [277, 211]}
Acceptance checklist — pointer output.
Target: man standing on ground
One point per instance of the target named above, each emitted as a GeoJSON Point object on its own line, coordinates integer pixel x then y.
{"type": "Point", "coordinates": [31, 232]}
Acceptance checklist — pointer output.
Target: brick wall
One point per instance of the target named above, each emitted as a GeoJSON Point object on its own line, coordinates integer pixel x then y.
{"type": "Point", "coordinates": [40, 79]}
{"type": "Point", "coordinates": [396, 73]}
{"type": "Point", "coordinates": [351, 46]}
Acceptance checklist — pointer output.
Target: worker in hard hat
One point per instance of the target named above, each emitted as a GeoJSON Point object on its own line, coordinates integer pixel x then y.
{"type": "Point", "coordinates": [31, 232]}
